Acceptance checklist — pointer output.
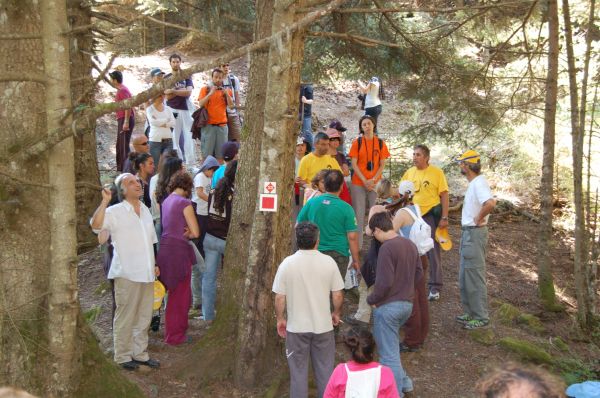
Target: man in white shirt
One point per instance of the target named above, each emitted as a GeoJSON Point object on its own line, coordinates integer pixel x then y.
{"type": "Point", "coordinates": [478, 204]}
{"type": "Point", "coordinates": [302, 285]}
{"type": "Point", "coordinates": [131, 229]}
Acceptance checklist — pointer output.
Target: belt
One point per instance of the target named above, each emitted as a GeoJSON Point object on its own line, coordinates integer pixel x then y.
{"type": "Point", "coordinates": [166, 139]}
{"type": "Point", "coordinates": [472, 226]}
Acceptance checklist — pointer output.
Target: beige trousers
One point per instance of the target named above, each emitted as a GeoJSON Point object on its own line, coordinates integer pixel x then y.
{"type": "Point", "coordinates": [132, 319]}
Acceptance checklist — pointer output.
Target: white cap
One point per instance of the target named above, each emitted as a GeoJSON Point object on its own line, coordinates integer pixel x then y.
{"type": "Point", "coordinates": [406, 187]}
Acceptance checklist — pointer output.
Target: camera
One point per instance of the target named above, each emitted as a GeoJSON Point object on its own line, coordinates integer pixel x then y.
{"type": "Point", "coordinates": [369, 165]}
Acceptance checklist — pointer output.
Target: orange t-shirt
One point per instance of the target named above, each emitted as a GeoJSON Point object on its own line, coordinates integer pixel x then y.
{"type": "Point", "coordinates": [369, 152]}
{"type": "Point", "coordinates": [216, 105]}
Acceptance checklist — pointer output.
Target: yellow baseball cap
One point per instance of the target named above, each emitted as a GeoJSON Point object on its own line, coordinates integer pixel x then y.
{"type": "Point", "coordinates": [159, 294]}
{"type": "Point", "coordinates": [470, 156]}
{"type": "Point", "coordinates": [443, 238]}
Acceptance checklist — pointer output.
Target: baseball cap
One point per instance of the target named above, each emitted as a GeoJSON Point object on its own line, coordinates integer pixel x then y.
{"type": "Point", "coordinates": [333, 133]}
{"type": "Point", "coordinates": [209, 163]}
{"type": "Point", "coordinates": [117, 75]}
{"type": "Point", "coordinates": [469, 156]}
{"type": "Point", "coordinates": [587, 389]}
{"type": "Point", "coordinates": [443, 238]}
{"type": "Point", "coordinates": [229, 150]}
{"type": "Point", "coordinates": [336, 124]}
{"type": "Point", "coordinates": [405, 187]}
{"type": "Point", "coordinates": [156, 72]}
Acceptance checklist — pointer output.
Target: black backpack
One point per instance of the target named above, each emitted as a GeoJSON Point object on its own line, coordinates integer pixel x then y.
{"type": "Point", "coordinates": [369, 268]}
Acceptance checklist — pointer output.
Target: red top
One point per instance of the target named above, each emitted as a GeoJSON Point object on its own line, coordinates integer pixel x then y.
{"type": "Point", "coordinates": [122, 94]}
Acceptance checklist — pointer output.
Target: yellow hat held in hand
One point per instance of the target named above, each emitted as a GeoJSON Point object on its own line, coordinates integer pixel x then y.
{"type": "Point", "coordinates": [443, 238]}
{"type": "Point", "coordinates": [159, 294]}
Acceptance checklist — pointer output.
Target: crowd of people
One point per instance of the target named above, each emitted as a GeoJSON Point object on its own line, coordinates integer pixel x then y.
{"type": "Point", "coordinates": [167, 219]}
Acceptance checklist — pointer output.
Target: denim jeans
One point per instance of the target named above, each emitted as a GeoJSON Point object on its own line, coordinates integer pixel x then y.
{"type": "Point", "coordinates": [214, 248]}
{"type": "Point", "coordinates": [157, 148]}
{"type": "Point", "coordinates": [387, 320]}
{"type": "Point", "coordinates": [307, 130]}
{"type": "Point", "coordinates": [196, 281]}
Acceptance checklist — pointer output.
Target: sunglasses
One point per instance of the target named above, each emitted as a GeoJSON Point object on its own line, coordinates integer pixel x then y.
{"type": "Point", "coordinates": [143, 143]}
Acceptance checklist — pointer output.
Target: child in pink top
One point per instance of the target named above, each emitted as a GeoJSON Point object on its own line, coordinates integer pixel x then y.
{"type": "Point", "coordinates": [361, 377]}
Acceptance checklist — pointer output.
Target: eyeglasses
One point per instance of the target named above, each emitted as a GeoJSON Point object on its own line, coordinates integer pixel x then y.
{"type": "Point", "coordinates": [142, 143]}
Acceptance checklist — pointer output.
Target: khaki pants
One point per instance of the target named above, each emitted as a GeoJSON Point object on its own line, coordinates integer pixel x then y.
{"type": "Point", "coordinates": [132, 319]}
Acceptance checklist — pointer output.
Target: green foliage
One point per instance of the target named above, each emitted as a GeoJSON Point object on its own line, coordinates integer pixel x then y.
{"type": "Point", "coordinates": [559, 344]}
{"type": "Point", "coordinates": [507, 313]}
{"type": "Point", "coordinates": [100, 377]}
{"type": "Point", "coordinates": [574, 370]}
{"type": "Point", "coordinates": [92, 314]}
{"type": "Point", "coordinates": [531, 322]}
{"type": "Point", "coordinates": [483, 336]}
{"type": "Point", "coordinates": [526, 350]}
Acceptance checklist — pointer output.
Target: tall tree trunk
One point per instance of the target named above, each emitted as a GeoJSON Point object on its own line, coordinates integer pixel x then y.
{"type": "Point", "coordinates": [584, 307]}
{"type": "Point", "coordinates": [63, 306]}
{"type": "Point", "coordinates": [590, 279]}
{"type": "Point", "coordinates": [271, 232]}
{"type": "Point", "coordinates": [24, 211]}
{"type": "Point", "coordinates": [87, 176]}
{"type": "Point", "coordinates": [545, 279]}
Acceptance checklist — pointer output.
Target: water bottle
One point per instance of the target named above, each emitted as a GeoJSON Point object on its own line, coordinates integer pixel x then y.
{"type": "Point", "coordinates": [353, 277]}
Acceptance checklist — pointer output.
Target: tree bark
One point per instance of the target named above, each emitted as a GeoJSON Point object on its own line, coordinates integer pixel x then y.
{"type": "Point", "coordinates": [86, 160]}
{"type": "Point", "coordinates": [63, 306]}
{"type": "Point", "coordinates": [584, 307]}
{"type": "Point", "coordinates": [270, 236]}
{"type": "Point", "coordinates": [545, 278]}
{"type": "Point", "coordinates": [24, 216]}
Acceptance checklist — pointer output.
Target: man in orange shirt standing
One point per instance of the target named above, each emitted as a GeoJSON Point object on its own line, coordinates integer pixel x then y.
{"type": "Point", "coordinates": [216, 99]}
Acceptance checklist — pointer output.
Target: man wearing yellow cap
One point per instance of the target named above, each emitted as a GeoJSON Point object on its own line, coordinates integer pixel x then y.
{"type": "Point", "coordinates": [478, 204]}
{"type": "Point", "coordinates": [431, 194]}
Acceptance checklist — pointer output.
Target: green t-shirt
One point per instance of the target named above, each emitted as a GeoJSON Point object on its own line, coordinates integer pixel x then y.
{"type": "Point", "coordinates": [334, 217]}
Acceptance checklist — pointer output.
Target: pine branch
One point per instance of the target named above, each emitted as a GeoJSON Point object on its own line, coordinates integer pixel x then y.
{"type": "Point", "coordinates": [86, 118]}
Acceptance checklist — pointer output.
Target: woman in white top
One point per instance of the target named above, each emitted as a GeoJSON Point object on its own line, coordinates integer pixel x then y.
{"type": "Point", "coordinates": [161, 121]}
{"type": "Point", "coordinates": [373, 93]}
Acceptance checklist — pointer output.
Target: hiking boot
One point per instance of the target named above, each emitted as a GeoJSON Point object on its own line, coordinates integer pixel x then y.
{"type": "Point", "coordinates": [434, 296]}
{"type": "Point", "coordinates": [464, 318]}
{"type": "Point", "coordinates": [476, 324]}
{"type": "Point", "coordinates": [151, 363]}
{"type": "Point", "coordinates": [405, 348]}
{"type": "Point", "coordinates": [131, 365]}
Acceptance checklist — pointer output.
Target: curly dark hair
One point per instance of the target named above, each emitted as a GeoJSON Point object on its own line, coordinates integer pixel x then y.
{"type": "Point", "coordinates": [170, 166]}
{"type": "Point", "coordinates": [361, 344]}
{"type": "Point", "coordinates": [225, 186]}
{"type": "Point", "coordinates": [182, 180]}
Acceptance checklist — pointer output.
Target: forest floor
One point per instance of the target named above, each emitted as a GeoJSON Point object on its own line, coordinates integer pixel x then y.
{"type": "Point", "coordinates": [452, 360]}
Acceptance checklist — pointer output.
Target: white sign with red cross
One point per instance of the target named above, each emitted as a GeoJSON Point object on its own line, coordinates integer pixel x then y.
{"type": "Point", "coordinates": [270, 187]}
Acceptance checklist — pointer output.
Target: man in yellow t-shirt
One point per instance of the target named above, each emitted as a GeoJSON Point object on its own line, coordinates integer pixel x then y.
{"type": "Point", "coordinates": [431, 194]}
{"type": "Point", "coordinates": [316, 161]}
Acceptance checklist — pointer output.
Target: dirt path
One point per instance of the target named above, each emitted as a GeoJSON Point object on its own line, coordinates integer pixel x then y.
{"type": "Point", "coordinates": [450, 363]}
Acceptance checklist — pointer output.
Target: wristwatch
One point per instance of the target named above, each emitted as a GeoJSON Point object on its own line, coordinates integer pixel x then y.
{"type": "Point", "coordinates": [445, 218]}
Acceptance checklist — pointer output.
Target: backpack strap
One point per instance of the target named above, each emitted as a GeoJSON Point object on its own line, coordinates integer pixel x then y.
{"type": "Point", "coordinates": [409, 211]}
